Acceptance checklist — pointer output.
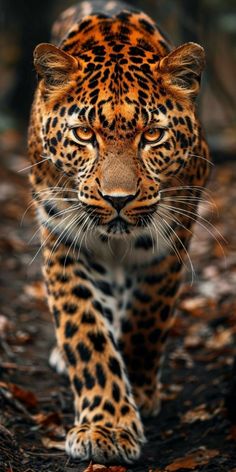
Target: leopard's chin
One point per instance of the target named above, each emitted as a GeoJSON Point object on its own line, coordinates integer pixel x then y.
{"type": "Point", "coordinates": [118, 226]}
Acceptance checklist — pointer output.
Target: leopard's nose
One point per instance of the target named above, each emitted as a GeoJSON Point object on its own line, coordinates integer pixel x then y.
{"type": "Point", "coordinates": [118, 202]}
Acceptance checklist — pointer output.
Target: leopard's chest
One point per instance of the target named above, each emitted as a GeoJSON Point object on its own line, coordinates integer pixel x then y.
{"type": "Point", "coordinates": [116, 276]}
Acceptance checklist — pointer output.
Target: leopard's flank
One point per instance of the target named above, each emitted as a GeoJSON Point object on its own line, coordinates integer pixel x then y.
{"type": "Point", "coordinates": [118, 165]}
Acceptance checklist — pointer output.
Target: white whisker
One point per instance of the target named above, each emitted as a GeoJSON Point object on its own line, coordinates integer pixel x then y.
{"type": "Point", "coordinates": [45, 240]}
{"type": "Point", "coordinates": [33, 165]}
{"type": "Point", "coordinates": [196, 217]}
{"type": "Point", "coordinates": [201, 157]}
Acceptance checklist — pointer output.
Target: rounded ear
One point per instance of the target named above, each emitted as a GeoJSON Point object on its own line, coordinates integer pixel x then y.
{"type": "Point", "coordinates": [182, 68]}
{"type": "Point", "coordinates": [53, 64]}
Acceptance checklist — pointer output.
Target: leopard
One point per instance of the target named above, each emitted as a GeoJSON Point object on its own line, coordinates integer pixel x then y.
{"type": "Point", "coordinates": [119, 162]}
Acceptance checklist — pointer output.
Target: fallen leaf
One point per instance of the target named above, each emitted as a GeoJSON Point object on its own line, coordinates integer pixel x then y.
{"type": "Point", "coordinates": [52, 444]}
{"type": "Point", "coordinates": [6, 326]}
{"type": "Point", "coordinates": [193, 460]}
{"type": "Point", "coordinates": [220, 339]}
{"type": "Point", "coordinates": [196, 414]}
{"type": "Point", "coordinates": [36, 290]}
{"type": "Point", "coordinates": [117, 468]}
{"type": "Point", "coordinates": [191, 304]}
{"type": "Point", "coordinates": [232, 434]}
{"type": "Point", "coordinates": [24, 396]}
{"type": "Point", "coordinates": [96, 467]}
{"type": "Point", "coordinates": [47, 418]}
{"type": "Point", "coordinates": [21, 337]}
{"type": "Point", "coordinates": [104, 468]}
{"type": "Point", "coordinates": [52, 423]}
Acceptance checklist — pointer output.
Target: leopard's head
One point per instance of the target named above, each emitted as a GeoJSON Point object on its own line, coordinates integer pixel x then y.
{"type": "Point", "coordinates": [118, 118]}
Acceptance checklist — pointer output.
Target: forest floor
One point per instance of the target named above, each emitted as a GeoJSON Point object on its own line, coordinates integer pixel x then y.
{"type": "Point", "coordinates": [195, 429]}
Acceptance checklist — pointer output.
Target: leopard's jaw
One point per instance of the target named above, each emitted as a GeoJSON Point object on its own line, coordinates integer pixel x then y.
{"type": "Point", "coordinates": [117, 248]}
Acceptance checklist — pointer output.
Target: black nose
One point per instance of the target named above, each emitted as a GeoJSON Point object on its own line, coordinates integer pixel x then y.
{"type": "Point", "coordinates": [118, 202]}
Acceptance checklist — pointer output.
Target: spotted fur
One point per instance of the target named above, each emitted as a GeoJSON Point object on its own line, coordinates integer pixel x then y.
{"type": "Point", "coordinates": [115, 210]}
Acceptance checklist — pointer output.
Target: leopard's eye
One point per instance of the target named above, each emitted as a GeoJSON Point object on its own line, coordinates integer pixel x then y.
{"type": "Point", "coordinates": [153, 135]}
{"type": "Point", "coordinates": [84, 134]}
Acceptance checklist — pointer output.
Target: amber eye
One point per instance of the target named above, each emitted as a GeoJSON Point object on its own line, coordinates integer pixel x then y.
{"type": "Point", "coordinates": [153, 135]}
{"type": "Point", "coordinates": [84, 134]}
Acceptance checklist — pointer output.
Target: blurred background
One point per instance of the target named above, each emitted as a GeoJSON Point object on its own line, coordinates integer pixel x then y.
{"type": "Point", "coordinates": [212, 23]}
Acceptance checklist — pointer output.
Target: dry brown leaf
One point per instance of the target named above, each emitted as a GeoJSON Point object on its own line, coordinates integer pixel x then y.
{"type": "Point", "coordinates": [26, 397]}
{"type": "Point", "coordinates": [104, 468]}
{"type": "Point", "coordinates": [46, 419]}
{"type": "Point", "coordinates": [220, 339]}
{"type": "Point", "coordinates": [21, 337]}
{"type": "Point", "coordinates": [116, 468]}
{"type": "Point", "coordinates": [191, 304]}
{"type": "Point", "coordinates": [192, 342]}
{"type": "Point", "coordinates": [52, 444]}
{"type": "Point", "coordinates": [51, 423]}
{"type": "Point", "coordinates": [196, 414]}
{"type": "Point", "coordinates": [193, 460]}
{"type": "Point", "coordinates": [36, 290]}
{"type": "Point", "coordinates": [199, 307]}
{"type": "Point", "coordinates": [96, 467]}
{"type": "Point", "coordinates": [232, 434]}
{"type": "Point", "coordinates": [6, 326]}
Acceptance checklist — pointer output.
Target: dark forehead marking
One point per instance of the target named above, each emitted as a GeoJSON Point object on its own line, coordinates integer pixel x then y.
{"type": "Point", "coordinates": [145, 116]}
{"type": "Point", "coordinates": [157, 110]}
{"type": "Point", "coordinates": [91, 116]}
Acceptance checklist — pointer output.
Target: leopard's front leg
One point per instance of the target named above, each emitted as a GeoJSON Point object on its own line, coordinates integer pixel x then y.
{"type": "Point", "coordinates": [145, 327]}
{"type": "Point", "coordinates": [107, 422]}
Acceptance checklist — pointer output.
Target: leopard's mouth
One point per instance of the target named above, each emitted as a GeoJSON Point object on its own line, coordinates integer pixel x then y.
{"type": "Point", "coordinates": [118, 226]}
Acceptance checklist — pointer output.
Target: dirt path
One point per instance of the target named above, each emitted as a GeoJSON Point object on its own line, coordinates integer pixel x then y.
{"type": "Point", "coordinates": [193, 431]}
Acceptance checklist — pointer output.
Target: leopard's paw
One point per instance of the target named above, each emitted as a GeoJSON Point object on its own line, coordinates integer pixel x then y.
{"type": "Point", "coordinates": [149, 403]}
{"type": "Point", "coordinates": [57, 361]}
{"type": "Point", "coordinates": [104, 444]}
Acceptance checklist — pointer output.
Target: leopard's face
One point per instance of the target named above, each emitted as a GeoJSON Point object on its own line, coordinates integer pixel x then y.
{"type": "Point", "coordinates": [119, 133]}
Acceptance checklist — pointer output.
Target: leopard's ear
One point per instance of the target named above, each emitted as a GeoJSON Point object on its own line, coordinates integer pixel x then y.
{"type": "Point", "coordinates": [182, 68]}
{"type": "Point", "coordinates": [53, 64]}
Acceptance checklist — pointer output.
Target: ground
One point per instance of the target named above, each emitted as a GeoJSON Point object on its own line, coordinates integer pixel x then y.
{"type": "Point", "coordinates": [195, 429]}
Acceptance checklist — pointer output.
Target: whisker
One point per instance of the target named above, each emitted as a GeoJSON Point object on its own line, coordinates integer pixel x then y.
{"type": "Point", "coordinates": [196, 217]}
{"type": "Point", "coordinates": [81, 241]}
{"type": "Point", "coordinates": [201, 157]}
{"type": "Point", "coordinates": [75, 239]}
{"type": "Point", "coordinates": [33, 165]}
{"type": "Point", "coordinates": [191, 203]}
{"type": "Point", "coordinates": [60, 238]}
{"type": "Point", "coordinates": [173, 218]}
{"type": "Point", "coordinates": [203, 190]}
{"type": "Point", "coordinates": [52, 217]}
{"type": "Point", "coordinates": [56, 189]}
{"type": "Point", "coordinates": [161, 230]}
{"type": "Point", "coordinates": [184, 248]}
{"type": "Point", "coordinates": [45, 240]}
{"type": "Point", "coordinates": [186, 198]}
